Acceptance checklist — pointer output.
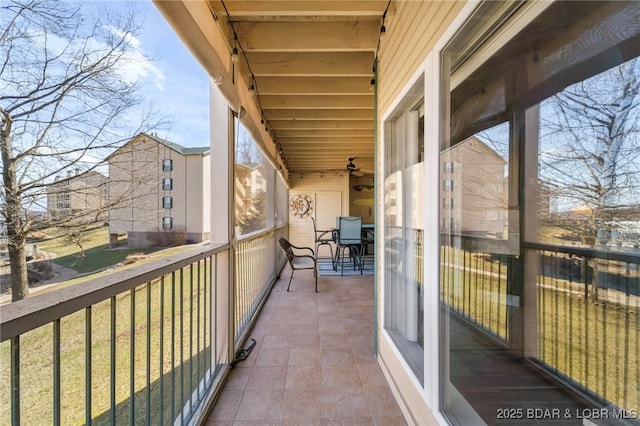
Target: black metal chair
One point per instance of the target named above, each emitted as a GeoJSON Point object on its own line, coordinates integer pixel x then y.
{"type": "Point", "coordinates": [349, 236]}
{"type": "Point", "coordinates": [299, 261]}
{"type": "Point", "coordinates": [322, 238]}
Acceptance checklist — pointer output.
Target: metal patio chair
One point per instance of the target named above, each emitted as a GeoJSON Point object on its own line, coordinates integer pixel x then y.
{"type": "Point", "coordinates": [349, 236]}
{"type": "Point", "coordinates": [299, 261]}
{"type": "Point", "coordinates": [322, 238]}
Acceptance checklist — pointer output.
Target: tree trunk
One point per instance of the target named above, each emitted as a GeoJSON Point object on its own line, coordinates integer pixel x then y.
{"type": "Point", "coordinates": [12, 212]}
{"type": "Point", "coordinates": [18, 264]}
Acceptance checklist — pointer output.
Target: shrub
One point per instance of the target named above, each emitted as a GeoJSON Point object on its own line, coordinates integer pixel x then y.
{"type": "Point", "coordinates": [175, 237]}
{"type": "Point", "coordinates": [135, 258]}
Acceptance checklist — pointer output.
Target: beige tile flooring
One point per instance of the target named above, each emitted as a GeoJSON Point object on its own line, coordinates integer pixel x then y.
{"type": "Point", "coordinates": [313, 363]}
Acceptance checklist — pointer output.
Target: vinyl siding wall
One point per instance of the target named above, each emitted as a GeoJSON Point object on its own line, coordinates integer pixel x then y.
{"type": "Point", "coordinates": [413, 29]}
{"type": "Point", "coordinates": [301, 229]}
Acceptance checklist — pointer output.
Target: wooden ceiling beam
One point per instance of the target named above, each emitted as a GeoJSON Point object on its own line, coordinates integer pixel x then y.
{"type": "Point", "coordinates": [308, 36]}
{"type": "Point", "coordinates": [322, 124]}
{"type": "Point", "coordinates": [318, 114]}
{"type": "Point", "coordinates": [325, 133]}
{"type": "Point", "coordinates": [313, 85]}
{"type": "Point", "coordinates": [331, 163]}
{"type": "Point", "coordinates": [324, 140]}
{"type": "Point", "coordinates": [311, 63]}
{"type": "Point", "coordinates": [335, 154]}
{"type": "Point", "coordinates": [317, 101]}
{"type": "Point", "coordinates": [337, 158]}
{"type": "Point", "coordinates": [244, 8]}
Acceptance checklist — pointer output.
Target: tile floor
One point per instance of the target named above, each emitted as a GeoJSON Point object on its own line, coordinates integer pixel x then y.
{"type": "Point", "coordinates": [313, 363]}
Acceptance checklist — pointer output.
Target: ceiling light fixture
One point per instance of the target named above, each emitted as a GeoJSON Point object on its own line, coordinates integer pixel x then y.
{"type": "Point", "coordinates": [383, 32]}
{"type": "Point", "coordinates": [252, 87]}
{"type": "Point", "coordinates": [239, 50]}
{"type": "Point", "coordinates": [234, 55]}
{"type": "Point", "coordinates": [234, 52]}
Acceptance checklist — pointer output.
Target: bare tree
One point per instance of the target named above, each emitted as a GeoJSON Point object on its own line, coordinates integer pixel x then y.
{"type": "Point", "coordinates": [78, 236]}
{"type": "Point", "coordinates": [593, 129]}
{"type": "Point", "coordinates": [65, 105]}
{"type": "Point", "coordinates": [247, 153]}
{"type": "Point", "coordinates": [591, 151]}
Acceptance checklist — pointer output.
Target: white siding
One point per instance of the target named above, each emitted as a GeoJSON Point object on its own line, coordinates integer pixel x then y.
{"type": "Point", "coordinates": [301, 230]}
{"type": "Point", "coordinates": [413, 30]}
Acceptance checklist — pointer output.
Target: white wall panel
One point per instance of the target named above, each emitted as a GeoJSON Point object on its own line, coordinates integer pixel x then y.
{"type": "Point", "coordinates": [301, 229]}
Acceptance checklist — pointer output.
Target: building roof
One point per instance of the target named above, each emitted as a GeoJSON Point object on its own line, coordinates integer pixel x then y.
{"type": "Point", "coordinates": [178, 148]}
{"type": "Point", "coordinates": [199, 150]}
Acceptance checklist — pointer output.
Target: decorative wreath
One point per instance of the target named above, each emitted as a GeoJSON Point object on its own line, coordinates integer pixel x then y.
{"type": "Point", "coordinates": [300, 205]}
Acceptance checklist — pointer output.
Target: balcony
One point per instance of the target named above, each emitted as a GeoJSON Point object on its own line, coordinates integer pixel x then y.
{"type": "Point", "coordinates": [462, 328]}
{"type": "Point", "coordinates": [150, 345]}
{"type": "Point", "coordinates": [314, 361]}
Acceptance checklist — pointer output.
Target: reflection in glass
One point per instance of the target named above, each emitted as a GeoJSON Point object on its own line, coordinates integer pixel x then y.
{"type": "Point", "coordinates": [475, 177]}
{"type": "Point", "coordinates": [540, 207]}
{"type": "Point", "coordinates": [250, 184]}
{"type": "Point", "coordinates": [590, 162]}
{"type": "Point", "coordinates": [403, 229]}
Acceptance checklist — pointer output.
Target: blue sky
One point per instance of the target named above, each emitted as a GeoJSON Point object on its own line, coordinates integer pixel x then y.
{"type": "Point", "coordinates": [171, 78]}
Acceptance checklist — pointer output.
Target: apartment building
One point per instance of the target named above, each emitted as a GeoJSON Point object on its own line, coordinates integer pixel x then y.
{"type": "Point", "coordinates": [76, 193]}
{"type": "Point", "coordinates": [160, 190]}
{"type": "Point", "coordinates": [474, 190]}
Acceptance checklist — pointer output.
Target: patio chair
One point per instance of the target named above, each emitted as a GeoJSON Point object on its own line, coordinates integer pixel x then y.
{"type": "Point", "coordinates": [349, 236]}
{"type": "Point", "coordinates": [299, 261]}
{"type": "Point", "coordinates": [322, 238]}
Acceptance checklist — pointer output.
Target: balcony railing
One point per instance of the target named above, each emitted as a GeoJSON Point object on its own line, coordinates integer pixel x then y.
{"type": "Point", "coordinates": [474, 284]}
{"type": "Point", "coordinates": [144, 345]}
{"type": "Point", "coordinates": [588, 309]}
{"type": "Point", "coordinates": [258, 262]}
{"type": "Point", "coordinates": [589, 320]}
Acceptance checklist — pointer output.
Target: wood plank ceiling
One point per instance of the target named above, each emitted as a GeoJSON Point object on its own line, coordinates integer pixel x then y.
{"type": "Point", "coordinates": [312, 63]}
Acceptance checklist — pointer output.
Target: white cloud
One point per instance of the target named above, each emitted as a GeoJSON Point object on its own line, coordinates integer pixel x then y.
{"type": "Point", "coordinates": [135, 66]}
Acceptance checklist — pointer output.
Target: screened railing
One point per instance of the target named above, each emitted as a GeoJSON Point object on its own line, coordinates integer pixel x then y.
{"type": "Point", "coordinates": [258, 261]}
{"type": "Point", "coordinates": [133, 347]}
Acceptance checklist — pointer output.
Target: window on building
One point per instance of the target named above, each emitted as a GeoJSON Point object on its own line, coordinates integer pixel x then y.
{"type": "Point", "coordinates": [446, 221]}
{"type": "Point", "coordinates": [403, 229]}
{"type": "Point", "coordinates": [167, 184]}
{"type": "Point", "coordinates": [167, 223]}
{"type": "Point", "coordinates": [167, 202]}
{"type": "Point", "coordinates": [167, 165]}
{"type": "Point", "coordinates": [448, 185]}
{"type": "Point", "coordinates": [448, 166]}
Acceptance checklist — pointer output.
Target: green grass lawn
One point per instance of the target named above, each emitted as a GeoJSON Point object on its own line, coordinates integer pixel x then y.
{"type": "Point", "coordinates": [98, 254]}
{"type": "Point", "coordinates": [183, 328]}
{"type": "Point", "coordinates": [178, 359]}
